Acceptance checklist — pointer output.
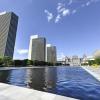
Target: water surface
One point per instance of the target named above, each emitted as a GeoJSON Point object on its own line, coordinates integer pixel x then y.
{"type": "Point", "coordinates": [67, 81]}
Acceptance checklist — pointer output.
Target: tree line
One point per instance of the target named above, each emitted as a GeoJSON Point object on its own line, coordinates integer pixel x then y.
{"type": "Point", "coordinates": [9, 62]}
{"type": "Point", "coordinates": [93, 62]}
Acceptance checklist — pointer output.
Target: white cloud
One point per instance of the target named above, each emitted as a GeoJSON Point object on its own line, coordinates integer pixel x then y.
{"type": "Point", "coordinates": [66, 12]}
{"type": "Point", "coordinates": [70, 2]}
{"type": "Point", "coordinates": [65, 9]}
{"type": "Point", "coordinates": [88, 3]}
{"type": "Point", "coordinates": [61, 12]}
{"type": "Point", "coordinates": [74, 11]}
{"type": "Point", "coordinates": [22, 51]}
{"type": "Point", "coordinates": [60, 7]}
{"type": "Point", "coordinates": [57, 18]}
{"type": "Point", "coordinates": [49, 15]}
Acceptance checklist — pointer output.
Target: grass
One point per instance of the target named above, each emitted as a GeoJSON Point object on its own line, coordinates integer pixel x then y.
{"type": "Point", "coordinates": [95, 66]}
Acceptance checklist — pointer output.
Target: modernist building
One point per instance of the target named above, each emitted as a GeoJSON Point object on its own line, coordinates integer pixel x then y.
{"type": "Point", "coordinates": [37, 48]}
{"type": "Point", "coordinates": [51, 53]}
{"type": "Point", "coordinates": [8, 28]}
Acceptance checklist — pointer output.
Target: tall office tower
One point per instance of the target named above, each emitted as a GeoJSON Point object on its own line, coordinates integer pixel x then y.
{"type": "Point", "coordinates": [37, 48]}
{"type": "Point", "coordinates": [8, 28]}
{"type": "Point", "coordinates": [51, 53]}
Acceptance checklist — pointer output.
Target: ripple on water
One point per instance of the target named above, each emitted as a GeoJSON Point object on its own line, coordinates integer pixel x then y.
{"type": "Point", "coordinates": [68, 81]}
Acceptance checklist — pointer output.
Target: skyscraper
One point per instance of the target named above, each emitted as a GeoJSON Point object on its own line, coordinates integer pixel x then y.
{"type": "Point", "coordinates": [51, 53]}
{"type": "Point", "coordinates": [8, 28]}
{"type": "Point", "coordinates": [37, 48]}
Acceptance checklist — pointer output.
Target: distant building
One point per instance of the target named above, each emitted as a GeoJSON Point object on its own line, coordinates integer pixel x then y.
{"type": "Point", "coordinates": [90, 58]}
{"type": "Point", "coordinates": [67, 60]}
{"type": "Point", "coordinates": [8, 28]}
{"type": "Point", "coordinates": [37, 48]}
{"type": "Point", "coordinates": [51, 54]}
{"type": "Point", "coordinates": [84, 60]}
{"type": "Point", "coordinates": [70, 61]}
{"type": "Point", "coordinates": [75, 61]}
{"type": "Point", "coordinates": [61, 61]}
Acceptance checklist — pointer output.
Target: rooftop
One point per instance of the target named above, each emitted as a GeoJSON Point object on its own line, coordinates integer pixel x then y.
{"type": "Point", "coordinates": [48, 45]}
{"type": "Point", "coordinates": [2, 13]}
{"type": "Point", "coordinates": [34, 36]}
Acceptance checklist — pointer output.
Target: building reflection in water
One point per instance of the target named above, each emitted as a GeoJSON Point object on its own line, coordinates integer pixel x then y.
{"type": "Point", "coordinates": [43, 79]}
{"type": "Point", "coordinates": [4, 74]}
{"type": "Point", "coordinates": [36, 78]}
{"type": "Point", "coordinates": [50, 79]}
{"type": "Point", "coordinates": [18, 77]}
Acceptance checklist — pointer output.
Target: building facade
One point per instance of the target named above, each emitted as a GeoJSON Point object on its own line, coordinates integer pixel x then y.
{"type": "Point", "coordinates": [51, 54]}
{"type": "Point", "coordinates": [75, 61]}
{"type": "Point", "coordinates": [37, 48]}
{"type": "Point", "coordinates": [8, 28]}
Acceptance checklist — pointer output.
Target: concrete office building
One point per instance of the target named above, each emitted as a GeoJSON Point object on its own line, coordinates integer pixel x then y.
{"type": "Point", "coordinates": [37, 48]}
{"type": "Point", "coordinates": [51, 53]}
{"type": "Point", "coordinates": [8, 28]}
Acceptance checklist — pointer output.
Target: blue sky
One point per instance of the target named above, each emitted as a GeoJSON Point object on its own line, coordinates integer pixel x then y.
{"type": "Point", "coordinates": [72, 25]}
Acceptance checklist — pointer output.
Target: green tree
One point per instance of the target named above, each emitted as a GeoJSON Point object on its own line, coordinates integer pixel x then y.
{"type": "Point", "coordinates": [1, 61]}
{"type": "Point", "coordinates": [7, 61]}
{"type": "Point", "coordinates": [27, 62]}
{"type": "Point", "coordinates": [18, 62]}
{"type": "Point", "coordinates": [91, 62]}
{"type": "Point", "coordinates": [97, 61]}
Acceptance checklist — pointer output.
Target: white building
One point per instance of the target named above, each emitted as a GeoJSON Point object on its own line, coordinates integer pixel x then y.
{"type": "Point", "coordinates": [37, 48]}
{"type": "Point", "coordinates": [75, 61]}
{"type": "Point", "coordinates": [51, 53]}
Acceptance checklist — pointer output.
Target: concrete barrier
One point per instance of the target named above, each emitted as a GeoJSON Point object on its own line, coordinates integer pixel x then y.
{"type": "Point", "coordinates": [92, 72]}
{"type": "Point", "coordinates": [10, 92]}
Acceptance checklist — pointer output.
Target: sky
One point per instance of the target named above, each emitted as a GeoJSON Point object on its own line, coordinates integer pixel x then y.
{"type": "Point", "coordinates": [73, 26]}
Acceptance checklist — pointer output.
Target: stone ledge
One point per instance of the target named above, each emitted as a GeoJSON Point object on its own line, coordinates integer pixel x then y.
{"type": "Point", "coordinates": [10, 92]}
{"type": "Point", "coordinates": [93, 72]}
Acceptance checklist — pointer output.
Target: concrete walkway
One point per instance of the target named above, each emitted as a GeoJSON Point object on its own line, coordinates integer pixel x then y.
{"type": "Point", "coordinates": [10, 92]}
{"type": "Point", "coordinates": [95, 72]}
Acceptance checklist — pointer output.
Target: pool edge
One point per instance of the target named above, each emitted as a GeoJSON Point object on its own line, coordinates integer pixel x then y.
{"type": "Point", "coordinates": [11, 92]}
{"type": "Point", "coordinates": [93, 73]}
